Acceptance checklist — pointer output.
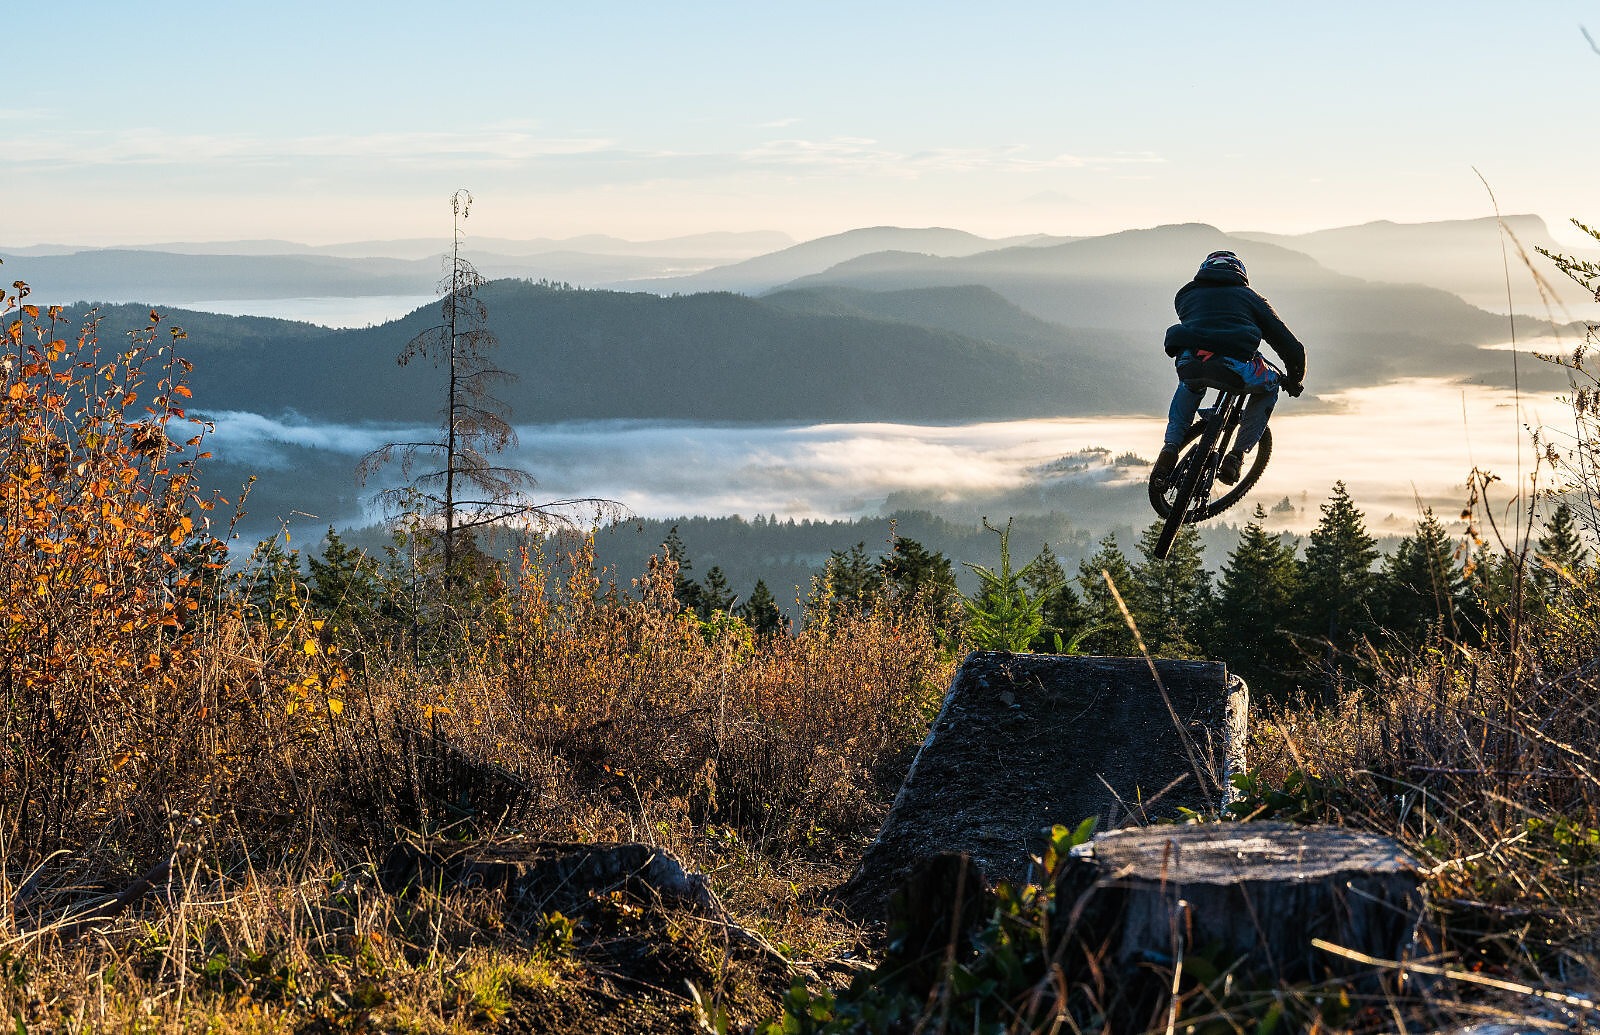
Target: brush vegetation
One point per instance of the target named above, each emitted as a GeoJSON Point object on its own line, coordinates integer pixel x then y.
{"type": "Point", "coordinates": [250, 738]}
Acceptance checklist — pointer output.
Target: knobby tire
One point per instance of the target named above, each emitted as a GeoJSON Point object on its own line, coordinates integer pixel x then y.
{"type": "Point", "coordinates": [1194, 466]}
{"type": "Point", "coordinates": [1191, 470]}
{"type": "Point", "coordinates": [1247, 480]}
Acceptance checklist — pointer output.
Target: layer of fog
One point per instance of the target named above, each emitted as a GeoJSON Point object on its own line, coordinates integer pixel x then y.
{"type": "Point", "coordinates": [1398, 447]}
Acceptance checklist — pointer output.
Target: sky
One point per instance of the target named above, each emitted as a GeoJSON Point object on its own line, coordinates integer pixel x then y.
{"type": "Point", "coordinates": [179, 121]}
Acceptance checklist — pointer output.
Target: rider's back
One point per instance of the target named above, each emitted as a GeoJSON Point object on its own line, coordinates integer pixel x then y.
{"type": "Point", "coordinates": [1221, 313]}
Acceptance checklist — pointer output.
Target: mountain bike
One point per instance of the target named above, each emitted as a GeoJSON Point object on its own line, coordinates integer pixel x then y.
{"type": "Point", "coordinates": [1184, 497]}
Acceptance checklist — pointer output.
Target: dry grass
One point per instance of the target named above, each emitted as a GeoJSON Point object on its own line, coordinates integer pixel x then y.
{"type": "Point", "coordinates": [256, 758]}
{"type": "Point", "coordinates": [1482, 761]}
{"type": "Point", "coordinates": [253, 758]}
{"type": "Point", "coordinates": [599, 714]}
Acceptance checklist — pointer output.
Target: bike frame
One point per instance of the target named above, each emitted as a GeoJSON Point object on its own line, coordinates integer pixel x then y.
{"type": "Point", "coordinates": [1198, 471]}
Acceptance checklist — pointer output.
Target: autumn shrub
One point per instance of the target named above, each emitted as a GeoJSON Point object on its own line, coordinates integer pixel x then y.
{"type": "Point", "coordinates": [142, 678]}
{"type": "Point", "coordinates": [783, 736]}
{"type": "Point", "coordinates": [107, 573]}
{"type": "Point", "coordinates": [252, 734]}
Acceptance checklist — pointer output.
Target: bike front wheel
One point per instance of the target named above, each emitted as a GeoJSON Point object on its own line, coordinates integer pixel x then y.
{"type": "Point", "coordinates": [1163, 495]}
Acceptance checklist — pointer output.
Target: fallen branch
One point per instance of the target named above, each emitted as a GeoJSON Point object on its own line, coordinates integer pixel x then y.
{"type": "Point", "coordinates": [1464, 976]}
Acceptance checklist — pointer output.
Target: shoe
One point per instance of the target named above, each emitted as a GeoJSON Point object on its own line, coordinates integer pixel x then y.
{"type": "Point", "coordinates": [1165, 462]}
{"type": "Point", "coordinates": [1228, 470]}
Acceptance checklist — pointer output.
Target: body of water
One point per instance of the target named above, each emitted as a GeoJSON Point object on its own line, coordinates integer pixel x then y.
{"type": "Point", "coordinates": [366, 311]}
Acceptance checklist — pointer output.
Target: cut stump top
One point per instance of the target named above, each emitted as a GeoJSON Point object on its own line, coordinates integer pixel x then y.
{"type": "Point", "coordinates": [1228, 853]}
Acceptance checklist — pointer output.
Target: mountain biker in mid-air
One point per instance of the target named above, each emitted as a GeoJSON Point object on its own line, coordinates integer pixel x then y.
{"type": "Point", "coordinates": [1222, 324]}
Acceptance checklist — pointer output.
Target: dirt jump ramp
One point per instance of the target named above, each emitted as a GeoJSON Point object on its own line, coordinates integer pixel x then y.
{"type": "Point", "coordinates": [1027, 741]}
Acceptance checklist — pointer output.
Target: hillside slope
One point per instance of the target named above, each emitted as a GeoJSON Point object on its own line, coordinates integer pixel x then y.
{"type": "Point", "coordinates": [587, 355]}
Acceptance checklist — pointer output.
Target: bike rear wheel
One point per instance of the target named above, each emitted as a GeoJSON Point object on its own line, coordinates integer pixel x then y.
{"type": "Point", "coordinates": [1163, 494]}
{"type": "Point", "coordinates": [1178, 492]}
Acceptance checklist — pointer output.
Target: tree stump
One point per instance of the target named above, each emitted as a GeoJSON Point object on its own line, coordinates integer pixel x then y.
{"type": "Point", "coordinates": [1256, 894]}
{"type": "Point", "coordinates": [1027, 741]}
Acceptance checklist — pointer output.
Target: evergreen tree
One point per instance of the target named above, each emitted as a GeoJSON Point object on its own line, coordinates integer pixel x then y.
{"type": "Point", "coordinates": [715, 593]}
{"type": "Point", "coordinates": [345, 585]}
{"type": "Point", "coordinates": [685, 588]}
{"type": "Point", "coordinates": [1171, 597]}
{"type": "Point", "coordinates": [1107, 631]}
{"type": "Point", "coordinates": [851, 578]}
{"type": "Point", "coordinates": [1337, 583]}
{"type": "Point", "coordinates": [1421, 587]}
{"type": "Point", "coordinates": [1561, 555]}
{"type": "Point", "coordinates": [1066, 622]}
{"type": "Point", "coordinates": [1003, 615]}
{"type": "Point", "coordinates": [762, 611]}
{"type": "Point", "coordinates": [1255, 598]}
{"type": "Point", "coordinates": [912, 575]}
{"type": "Point", "coordinates": [276, 590]}
{"type": "Point", "coordinates": [1489, 582]}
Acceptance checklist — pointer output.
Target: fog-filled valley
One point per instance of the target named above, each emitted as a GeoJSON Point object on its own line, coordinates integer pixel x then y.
{"type": "Point", "coordinates": [879, 372]}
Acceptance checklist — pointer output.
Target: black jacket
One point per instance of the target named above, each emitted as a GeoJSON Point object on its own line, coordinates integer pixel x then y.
{"type": "Point", "coordinates": [1221, 313]}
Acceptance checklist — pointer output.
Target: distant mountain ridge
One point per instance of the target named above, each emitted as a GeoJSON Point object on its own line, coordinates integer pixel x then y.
{"type": "Point", "coordinates": [1464, 257]}
{"type": "Point", "coordinates": [1357, 331]}
{"type": "Point", "coordinates": [1467, 257]}
{"type": "Point", "coordinates": [768, 271]}
{"type": "Point", "coordinates": [712, 245]}
{"type": "Point", "coordinates": [190, 272]}
{"type": "Point", "coordinates": [588, 355]}
{"type": "Point", "coordinates": [970, 310]}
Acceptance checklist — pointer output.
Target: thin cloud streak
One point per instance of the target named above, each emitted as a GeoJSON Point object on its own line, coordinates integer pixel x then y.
{"type": "Point", "coordinates": [507, 148]}
{"type": "Point", "coordinates": [152, 146]}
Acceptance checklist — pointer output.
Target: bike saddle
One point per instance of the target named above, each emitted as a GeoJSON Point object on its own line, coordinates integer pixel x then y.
{"type": "Point", "coordinates": [1210, 373]}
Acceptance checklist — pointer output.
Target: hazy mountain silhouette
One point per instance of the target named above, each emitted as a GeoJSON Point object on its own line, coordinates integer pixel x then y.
{"type": "Point", "coordinates": [584, 355]}
{"type": "Point", "coordinates": [719, 246]}
{"type": "Point", "coordinates": [1356, 331]}
{"type": "Point", "coordinates": [970, 310]}
{"type": "Point", "coordinates": [1462, 256]}
{"type": "Point", "coordinates": [176, 277]}
{"type": "Point", "coordinates": [768, 271]}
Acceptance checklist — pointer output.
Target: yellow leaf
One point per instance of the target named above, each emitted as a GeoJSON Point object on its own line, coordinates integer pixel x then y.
{"type": "Point", "coordinates": [310, 647]}
{"type": "Point", "coordinates": [335, 706]}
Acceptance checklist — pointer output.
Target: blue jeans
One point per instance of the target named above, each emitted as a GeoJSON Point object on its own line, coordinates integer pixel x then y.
{"type": "Point", "coordinates": [1257, 408]}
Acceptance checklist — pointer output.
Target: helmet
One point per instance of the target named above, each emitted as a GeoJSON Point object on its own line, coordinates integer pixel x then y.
{"type": "Point", "coordinates": [1224, 262]}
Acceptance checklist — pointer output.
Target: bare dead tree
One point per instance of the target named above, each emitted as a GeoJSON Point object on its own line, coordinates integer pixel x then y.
{"type": "Point", "coordinates": [456, 475]}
